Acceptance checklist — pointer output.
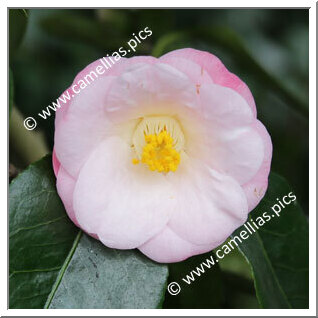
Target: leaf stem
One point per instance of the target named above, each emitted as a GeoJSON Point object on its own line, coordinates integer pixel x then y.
{"type": "Point", "coordinates": [62, 271]}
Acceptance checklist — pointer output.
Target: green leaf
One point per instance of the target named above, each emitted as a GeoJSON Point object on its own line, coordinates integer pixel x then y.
{"type": "Point", "coordinates": [18, 19]}
{"type": "Point", "coordinates": [40, 235]}
{"type": "Point", "coordinates": [54, 265]}
{"type": "Point", "coordinates": [99, 277]}
{"type": "Point", "coordinates": [11, 91]}
{"type": "Point", "coordinates": [206, 291]}
{"type": "Point", "coordinates": [278, 252]}
{"type": "Point", "coordinates": [168, 42]}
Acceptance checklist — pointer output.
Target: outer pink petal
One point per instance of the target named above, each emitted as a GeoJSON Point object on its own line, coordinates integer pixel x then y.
{"type": "Point", "coordinates": [210, 206]}
{"type": "Point", "coordinates": [255, 189]}
{"type": "Point", "coordinates": [224, 106]}
{"type": "Point", "coordinates": [235, 148]}
{"type": "Point", "coordinates": [65, 185]}
{"type": "Point", "coordinates": [56, 163]}
{"type": "Point", "coordinates": [217, 71]}
{"type": "Point", "coordinates": [60, 112]}
{"type": "Point", "coordinates": [168, 247]}
{"type": "Point", "coordinates": [83, 127]}
{"type": "Point", "coordinates": [193, 71]}
{"type": "Point", "coordinates": [125, 205]}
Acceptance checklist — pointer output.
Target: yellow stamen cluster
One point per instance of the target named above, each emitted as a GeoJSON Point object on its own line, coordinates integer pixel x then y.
{"type": "Point", "coordinates": [159, 153]}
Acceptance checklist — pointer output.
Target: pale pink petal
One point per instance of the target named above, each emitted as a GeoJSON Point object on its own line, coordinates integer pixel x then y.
{"type": "Point", "coordinates": [125, 63]}
{"type": "Point", "coordinates": [193, 71]}
{"type": "Point", "coordinates": [224, 106]}
{"type": "Point", "coordinates": [238, 152]}
{"type": "Point", "coordinates": [210, 206]}
{"type": "Point", "coordinates": [62, 110]}
{"type": "Point", "coordinates": [145, 89]}
{"type": "Point", "coordinates": [83, 127]}
{"type": "Point", "coordinates": [217, 71]}
{"type": "Point", "coordinates": [168, 247]}
{"type": "Point", "coordinates": [235, 148]}
{"type": "Point", "coordinates": [124, 204]}
{"type": "Point", "coordinates": [104, 70]}
{"type": "Point", "coordinates": [255, 189]}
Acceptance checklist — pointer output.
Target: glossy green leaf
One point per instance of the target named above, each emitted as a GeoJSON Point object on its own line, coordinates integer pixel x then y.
{"type": "Point", "coordinates": [54, 265]}
{"type": "Point", "coordinates": [278, 252]}
{"type": "Point", "coordinates": [99, 277]}
{"type": "Point", "coordinates": [40, 235]}
{"type": "Point", "coordinates": [18, 19]}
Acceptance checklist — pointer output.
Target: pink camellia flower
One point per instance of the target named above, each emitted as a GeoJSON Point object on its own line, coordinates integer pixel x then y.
{"type": "Point", "coordinates": [165, 155]}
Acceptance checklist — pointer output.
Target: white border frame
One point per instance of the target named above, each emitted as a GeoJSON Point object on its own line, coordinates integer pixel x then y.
{"type": "Point", "coordinates": [312, 161]}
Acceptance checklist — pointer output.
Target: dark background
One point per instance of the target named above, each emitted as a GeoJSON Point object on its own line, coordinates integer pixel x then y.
{"type": "Point", "coordinates": [266, 48]}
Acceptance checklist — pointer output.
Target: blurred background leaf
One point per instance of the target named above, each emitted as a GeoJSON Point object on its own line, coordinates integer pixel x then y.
{"type": "Point", "coordinates": [239, 292]}
{"type": "Point", "coordinates": [205, 292]}
{"type": "Point", "coordinates": [17, 26]}
{"type": "Point", "coordinates": [11, 91]}
{"type": "Point", "coordinates": [82, 28]}
{"type": "Point", "coordinates": [25, 146]}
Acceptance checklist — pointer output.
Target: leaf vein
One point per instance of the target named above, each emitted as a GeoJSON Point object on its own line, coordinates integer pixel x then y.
{"type": "Point", "coordinates": [36, 226]}
{"type": "Point", "coordinates": [36, 270]}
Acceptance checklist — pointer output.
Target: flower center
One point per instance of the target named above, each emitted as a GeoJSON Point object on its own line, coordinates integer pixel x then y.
{"type": "Point", "coordinates": [158, 142]}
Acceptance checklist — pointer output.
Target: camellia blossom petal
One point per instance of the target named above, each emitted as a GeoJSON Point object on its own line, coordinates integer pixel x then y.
{"type": "Point", "coordinates": [165, 155]}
